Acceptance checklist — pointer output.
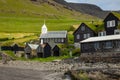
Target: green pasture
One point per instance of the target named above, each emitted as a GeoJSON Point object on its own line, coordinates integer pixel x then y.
{"type": "Point", "coordinates": [19, 38]}
{"type": "Point", "coordinates": [29, 24]}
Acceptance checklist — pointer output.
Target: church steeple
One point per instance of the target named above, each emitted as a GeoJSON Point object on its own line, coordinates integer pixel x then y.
{"type": "Point", "coordinates": [44, 28]}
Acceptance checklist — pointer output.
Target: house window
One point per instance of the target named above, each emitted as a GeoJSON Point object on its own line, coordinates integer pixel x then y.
{"type": "Point", "coordinates": [62, 40]}
{"type": "Point", "coordinates": [78, 36]}
{"type": "Point", "coordinates": [102, 33]}
{"type": "Point", "coordinates": [58, 40]}
{"type": "Point", "coordinates": [111, 23]}
{"type": "Point", "coordinates": [85, 36]}
{"type": "Point", "coordinates": [117, 31]}
{"type": "Point", "coordinates": [108, 44]}
{"type": "Point", "coordinates": [88, 35]}
{"type": "Point", "coordinates": [55, 39]}
{"type": "Point", "coordinates": [45, 40]}
{"type": "Point", "coordinates": [96, 45]}
{"type": "Point", "coordinates": [83, 28]}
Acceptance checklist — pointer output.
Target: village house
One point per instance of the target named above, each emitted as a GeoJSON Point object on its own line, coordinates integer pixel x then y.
{"type": "Point", "coordinates": [84, 31]}
{"type": "Point", "coordinates": [35, 50]}
{"type": "Point", "coordinates": [110, 43]}
{"type": "Point", "coordinates": [111, 24]}
{"type": "Point", "coordinates": [30, 50]}
{"type": "Point", "coordinates": [56, 50]}
{"type": "Point", "coordinates": [58, 37]}
{"type": "Point", "coordinates": [108, 40]}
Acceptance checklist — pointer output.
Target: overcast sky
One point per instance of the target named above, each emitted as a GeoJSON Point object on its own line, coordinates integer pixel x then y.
{"type": "Point", "coordinates": [104, 4]}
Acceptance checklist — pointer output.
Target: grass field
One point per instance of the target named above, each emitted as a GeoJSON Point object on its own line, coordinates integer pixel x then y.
{"type": "Point", "coordinates": [21, 21]}
{"type": "Point", "coordinates": [19, 38]}
{"type": "Point", "coordinates": [28, 16]}
{"type": "Point", "coordinates": [21, 24]}
{"type": "Point", "coordinates": [23, 29]}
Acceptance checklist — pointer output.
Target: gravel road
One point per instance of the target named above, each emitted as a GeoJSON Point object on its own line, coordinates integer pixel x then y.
{"type": "Point", "coordinates": [7, 73]}
{"type": "Point", "coordinates": [29, 70]}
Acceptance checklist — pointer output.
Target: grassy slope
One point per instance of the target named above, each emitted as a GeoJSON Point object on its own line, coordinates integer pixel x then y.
{"type": "Point", "coordinates": [26, 16]}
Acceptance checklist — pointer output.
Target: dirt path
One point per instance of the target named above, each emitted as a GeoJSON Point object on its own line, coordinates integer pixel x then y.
{"type": "Point", "coordinates": [29, 70]}
{"type": "Point", "coordinates": [7, 73]}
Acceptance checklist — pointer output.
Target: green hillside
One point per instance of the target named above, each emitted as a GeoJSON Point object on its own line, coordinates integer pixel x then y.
{"type": "Point", "coordinates": [28, 16]}
{"type": "Point", "coordinates": [41, 9]}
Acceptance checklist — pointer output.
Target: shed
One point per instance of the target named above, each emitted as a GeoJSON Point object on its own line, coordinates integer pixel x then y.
{"type": "Point", "coordinates": [56, 51]}
{"type": "Point", "coordinates": [46, 50]}
{"type": "Point", "coordinates": [30, 50]}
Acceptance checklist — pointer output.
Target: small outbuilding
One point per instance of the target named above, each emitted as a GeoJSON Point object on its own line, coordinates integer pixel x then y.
{"type": "Point", "coordinates": [32, 50]}
{"type": "Point", "coordinates": [46, 50]}
{"type": "Point", "coordinates": [56, 51]}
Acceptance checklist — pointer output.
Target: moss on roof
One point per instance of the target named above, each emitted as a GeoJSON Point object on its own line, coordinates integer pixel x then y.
{"type": "Point", "coordinates": [116, 14]}
{"type": "Point", "coordinates": [119, 26]}
{"type": "Point", "coordinates": [91, 26]}
{"type": "Point", "coordinates": [100, 28]}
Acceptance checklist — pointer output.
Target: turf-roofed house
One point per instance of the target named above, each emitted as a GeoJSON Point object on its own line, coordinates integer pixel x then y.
{"type": "Point", "coordinates": [108, 39]}
{"type": "Point", "coordinates": [84, 31]}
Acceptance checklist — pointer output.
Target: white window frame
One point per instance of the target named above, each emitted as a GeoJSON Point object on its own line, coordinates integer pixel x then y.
{"type": "Point", "coordinates": [78, 36]}
{"type": "Point", "coordinates": [62, 40]}
{"type": "Point", "coordinates": [84, 36]}
{"type": "Point", "coordinates": [117, 31]}
{"type": "Point", "coordinates": [111, 23]}
{"type": "Point", "coordinates": [88, 35]}
{"type": "Point", "coordinates": [103, 33]}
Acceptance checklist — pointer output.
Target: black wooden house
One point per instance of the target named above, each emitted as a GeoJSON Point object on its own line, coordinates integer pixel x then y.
{"type": "Point", "coordinates": [83, 32]}
{"type": "Point", "coordinates": [56, 51]}
{"type": "Point", "coordinates": [47, 50]}
{"type": "Point", "coordinates": [109, 43]}
{"type": "Point", "coordinates": [111, 23]}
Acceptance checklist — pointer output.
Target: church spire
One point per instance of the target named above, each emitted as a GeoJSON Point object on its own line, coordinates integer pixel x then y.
{"type": "Point", "coordinates": [44, 28]}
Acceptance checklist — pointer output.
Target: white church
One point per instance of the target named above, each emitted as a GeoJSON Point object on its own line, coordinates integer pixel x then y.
{"type": "Point", "coordinates": [56, 37]}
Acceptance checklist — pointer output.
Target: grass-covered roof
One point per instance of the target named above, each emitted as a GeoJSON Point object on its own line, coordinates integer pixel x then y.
{"type": "Point", "coordinates": [116, 14]}
{"type": "Point", "coordinates": [91, 26]}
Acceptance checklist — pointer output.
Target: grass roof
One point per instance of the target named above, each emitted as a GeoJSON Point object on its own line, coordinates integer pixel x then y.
{"type": "Point", "coordinates": [91, 26]}
{"type": "Point", "coordinates": [116, 14]}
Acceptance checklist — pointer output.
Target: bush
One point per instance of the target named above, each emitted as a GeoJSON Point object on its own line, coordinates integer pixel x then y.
{"type": "Point", "coordinates": [70, 39]}
{"type": "Point", "coordinates": [76, 52]}
{"type": "Point", "coordinates": [64, 52]}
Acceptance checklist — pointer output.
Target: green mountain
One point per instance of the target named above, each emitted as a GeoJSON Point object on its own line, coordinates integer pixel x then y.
{"type": "Point", "coordinates": [38, 8]}
{"type": "Point", "coordinates": [28, 15]}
